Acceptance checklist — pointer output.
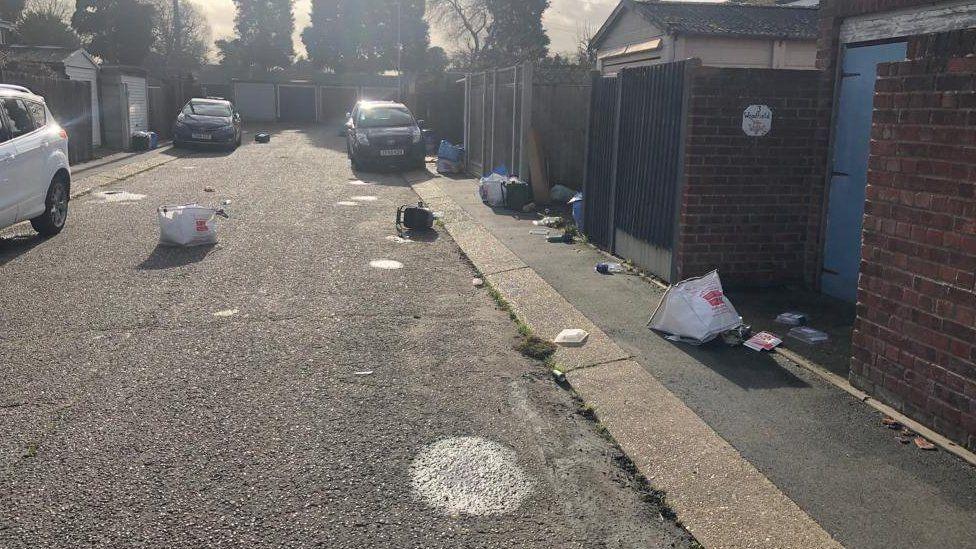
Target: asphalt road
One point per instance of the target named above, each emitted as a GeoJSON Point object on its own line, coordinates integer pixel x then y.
{"type": "Point", "coordinates": [133, 416]}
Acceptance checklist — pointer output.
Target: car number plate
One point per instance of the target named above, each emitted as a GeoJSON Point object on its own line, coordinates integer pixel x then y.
{"type": "Point", "coordinates": [205, 136]}
{"type": "Point", "coordinates": [392, 152]}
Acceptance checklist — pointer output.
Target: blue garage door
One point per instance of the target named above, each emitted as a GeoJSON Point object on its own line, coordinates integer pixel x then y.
{"type": "Point", "coordinates": [852, 144]}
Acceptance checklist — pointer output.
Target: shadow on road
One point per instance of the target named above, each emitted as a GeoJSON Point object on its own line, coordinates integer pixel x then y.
{"type": "Point", "coordinates": [421, 236]}
{"type": "Point", "coordinates": [169, 257]}
{"type": "Point", "coordinates": [744, 367]}
{"type": "Point", "coordinates": [12, 247]}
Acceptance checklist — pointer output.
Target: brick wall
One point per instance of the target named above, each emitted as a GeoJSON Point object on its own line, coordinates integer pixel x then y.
{"type": "Point", "coordinates": [915, 336]}
{"type": "Point", "coordinates": [747, 199]}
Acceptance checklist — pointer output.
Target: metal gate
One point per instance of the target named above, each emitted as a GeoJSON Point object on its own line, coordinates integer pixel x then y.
{"type": "Point", "coordinates": [635, 164]}
{"type": "Point", "coordinates": [494, 119]}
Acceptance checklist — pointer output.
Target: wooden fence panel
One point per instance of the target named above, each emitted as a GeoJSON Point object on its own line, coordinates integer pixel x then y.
{"type": "Point", "coordinates": [69, 101]}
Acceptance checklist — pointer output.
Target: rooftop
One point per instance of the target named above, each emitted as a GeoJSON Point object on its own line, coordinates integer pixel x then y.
{"type": "Point", "coordinates": [766, 21]}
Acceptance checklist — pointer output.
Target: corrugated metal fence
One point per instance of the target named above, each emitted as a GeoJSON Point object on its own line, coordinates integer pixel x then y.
{"type": "Point", "coordinates": [69, 101]}
{"type": "Point", "coordinates": [635, 163]}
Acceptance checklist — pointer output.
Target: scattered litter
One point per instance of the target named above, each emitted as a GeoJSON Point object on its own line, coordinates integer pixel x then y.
{"type": "Point", "coordinates": [558, 375]}
{"type": "Point", "coordinates": [903, 438]}
{"type": "Point", "coordinates": [892, 423]}
{"type": "Point", "coordinates": [737, 336]}
{"type": "Point", "coordinates": [364, 198]}
{"type": "Point", "coordinates": [577, 204]}
{"type": "Point", "coordinates": [528, 207]}
{"type": "Point", "coordinates": [792, 319]}
{"type": "Point", "coordinates": [358, 183]}
{"type": "Point", "coordinates": [398, 239]}
{"type": "Point", "coordinates": [117, 196]}
{"type": "Point", "coordinates": [763, 341]}
{"type": "Point", "coordinates": [539, 232]}
{"type": "Point", "coordinates": [695, 310]}
{"type": "Point", "coordinates": [609, 268]}
{"type": "Point", "coordinates": [416, 218]}
{"type": "Point", "coordinates": [386, 264]}
{"type": "Point", "coordinates": [450, 158]}
{"type": "Point", "coordinates": [808, 335]}
{"type": "Point", "coordinates": [364, 373]}
{"type": "Point", "coordinates": [227, 313]}
{"type": "Point", "coordinates": [572, 337]}
{"type": "Point", "coordinates": [924, 444]}
{"type": "Point", "coordinates": [188, 225]}
{"type": "Point", "coordinates": [477, 282]}
{"type": "Point", "coordinates": [548, 221]}
{"type": "Point", "coordinates": [518, 194]}
{"type": "Point", "coordinates": [492, 189]}
{"type": "Point", "coordinates": [561, 194]}
{"type": "Point", "coordinates": [263, 136]}
{"type": "Point", "coordinates": [346, 203]}
{"type": "Point", "coordinates": [209, 189]}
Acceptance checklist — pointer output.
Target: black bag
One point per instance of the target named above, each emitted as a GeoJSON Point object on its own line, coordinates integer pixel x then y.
{"type": "Point", "coordinates": [262, 137]}
{"type": "Point", "coordinates": [416, 218]}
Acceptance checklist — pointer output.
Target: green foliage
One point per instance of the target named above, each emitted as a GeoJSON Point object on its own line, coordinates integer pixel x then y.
{"type": "Point", "coordinates": [362, 35]}
{"type": "Point", "coordinates": [10, 10]}
{"type": "Point", "coordinates": [181, 47]}
{"type": "Point", "coordinates": [264, 36]}
{"type": "Point", "coordinates": [118, 31]}
{"type": "Point", "coordinates": [515, 33]}
{"type": "Point", "coordinates": [46, 25]}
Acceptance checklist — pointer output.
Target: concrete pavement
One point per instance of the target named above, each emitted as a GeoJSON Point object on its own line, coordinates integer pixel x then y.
{"type": "Point", "coordinates": [824, 450]}
{"type": "Point", "coordinates": [275, 390]}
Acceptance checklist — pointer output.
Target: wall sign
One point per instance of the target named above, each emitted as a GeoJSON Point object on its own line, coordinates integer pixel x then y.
{"type": "Point", "coordinates": [757, 120]}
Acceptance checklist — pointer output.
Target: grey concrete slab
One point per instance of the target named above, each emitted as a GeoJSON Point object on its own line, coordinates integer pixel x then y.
{"type": "Point", "coordinates": [822, 448]}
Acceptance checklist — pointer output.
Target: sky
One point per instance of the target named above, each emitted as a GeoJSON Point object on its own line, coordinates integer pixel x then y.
{"type": "Point", "coordinates": [564, 20]}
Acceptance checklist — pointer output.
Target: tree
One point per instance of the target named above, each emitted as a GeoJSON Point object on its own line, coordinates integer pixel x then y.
{"type": "Point", "coordinates": [46, 24]}
{"type": "Point", "coordinates": [436, 60]}
{"type": "Point", "coordinates": [10, 10]}
{"type": "Point", "coordinates": [515, 33]}
{"type": "Point", "coordinates": [364, 34]}
{"type": "Point", "coordinates": [264, 36]}
{"type": "Point", "coordinates": [181, 44]}
{"type": "Point", "coordinates": [465, 22]}
{"type": "Point", "coordinates": [118, 31]}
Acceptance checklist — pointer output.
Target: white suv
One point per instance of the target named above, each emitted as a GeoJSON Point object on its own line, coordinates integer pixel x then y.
{"type": "Point", "coordinates": [35, 178]}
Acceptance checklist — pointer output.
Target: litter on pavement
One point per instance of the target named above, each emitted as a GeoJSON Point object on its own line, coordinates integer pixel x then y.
{"type": "Point", "coordinates": [572, 337]}
{"type": "Point", "coordinates": [763, 341]}
{"type": "Point", "coordinates": [609, 268]}
{"type": "Point", "coordinates": [792, 318]}
{"type": "Point", "coordinates": [695, 311]}
{"type": "Point", "coordinates": [364, 373]}
{"type": "Point", "coordinates": [477, 282]}
{"type": "Point", "coordinates": [415, 218]}
{"type": "Point", "coordinates": [924, 444]}
{"type": "Point", "coordinates": [450, 158]}
{"type": "Point", "coordinates": [263, 136]}
{"type": "Point", "coordinates": [808, 335]}
{"type": "Point", "coordinates": [548, 221]}
{"type": "Point", "coordinates": [539, 232]}
{"type": "Point", "coordinates": [209, 189]}
{"type": "Point", "coordinates": [226, 313]}
{"type": "Point", "coordinates": [188, 225]}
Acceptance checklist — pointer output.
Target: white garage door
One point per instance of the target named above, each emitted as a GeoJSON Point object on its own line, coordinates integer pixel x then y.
{"type": "Point", "coordinates": [255, 101]}
{"type": "Point", "coordinates": [138, 103]}
{"type": "Point", "coordinates": [83, 74]}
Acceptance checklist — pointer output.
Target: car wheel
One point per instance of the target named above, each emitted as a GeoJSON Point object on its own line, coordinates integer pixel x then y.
{"type": "Point", "coordinates": [52, 221]}
{"type": "Point", "coordinates": [356, 163]}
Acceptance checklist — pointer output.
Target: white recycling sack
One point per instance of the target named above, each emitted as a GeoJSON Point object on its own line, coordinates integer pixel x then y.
{"type": "Point", "coordinates": [695, 310]}
{"type": "Point", "coordinates": [188, 225]}
{"type": "Point", "coordinates": [492, 189]}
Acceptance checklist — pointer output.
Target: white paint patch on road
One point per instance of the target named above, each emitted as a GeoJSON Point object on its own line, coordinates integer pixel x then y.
{"type": "Point", "coordinates": [347, 203]}
{"type": "Point", "coordinates": [387, 264]}
{"type": "Point", "coordinates": [116, 196]}
{"type": "Point", "coordinates": [470, 476]}
{"type": "Point", "coordinates": [364, 198]}
{"type": "Point", "coordinates": [359, 183]}
{"type": "Point", "coordinates": [227, 313]}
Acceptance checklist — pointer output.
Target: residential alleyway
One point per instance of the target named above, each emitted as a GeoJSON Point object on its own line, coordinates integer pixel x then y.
{"type": "Point", "coordinates": [276, 390]}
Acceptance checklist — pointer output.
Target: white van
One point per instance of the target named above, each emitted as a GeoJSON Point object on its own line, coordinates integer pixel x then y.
{"type": "Point", "coordinates": [35, 178]}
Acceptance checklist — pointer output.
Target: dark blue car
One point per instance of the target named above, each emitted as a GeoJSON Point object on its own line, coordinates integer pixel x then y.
{"type": "Point", "coordinates": [208, 122]}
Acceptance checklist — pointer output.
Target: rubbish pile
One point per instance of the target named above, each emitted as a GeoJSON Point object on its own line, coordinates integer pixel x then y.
{"type": "Point", "coordinates": [414, 218]}
{"type": "Point", "coordinates": [263, 136]}
{"type": "Point", "coordinates": [500, 190]}
{"type": "Point", "coordinates": [144, 141]}
{"type": "Point", "coordinates": [188, 225]}
{"type": "Point", "coordinates": [695, 311]}
{"type": "Point", "coordinates": [450, 158]}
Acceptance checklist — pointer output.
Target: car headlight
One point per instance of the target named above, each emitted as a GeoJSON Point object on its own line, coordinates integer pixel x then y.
{"type": "Point", "coordinates": [362, 138]}
{"type": "Point", "coordinates": [417, 135]}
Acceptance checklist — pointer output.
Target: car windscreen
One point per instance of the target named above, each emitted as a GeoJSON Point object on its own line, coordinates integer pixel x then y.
{"type": "Point", "coordinates": [208, 109]}
{"type": "Point", "coordinates": [379, 117]}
